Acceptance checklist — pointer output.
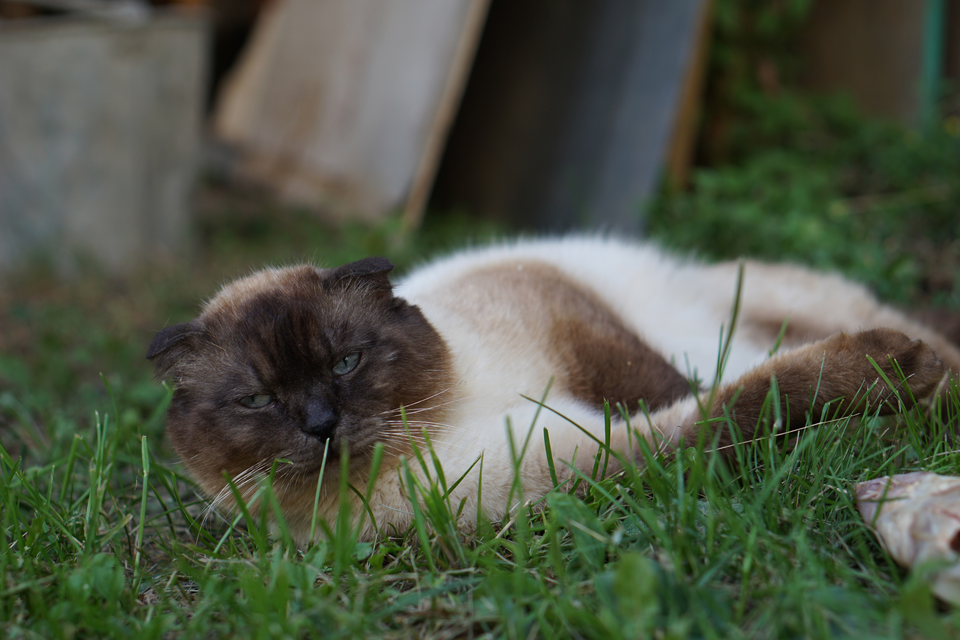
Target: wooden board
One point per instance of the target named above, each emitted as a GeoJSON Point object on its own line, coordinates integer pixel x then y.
{"type": "Point", "coordinates": [344, 104]}
{"type": "Point", "coordinates": [869, 49]}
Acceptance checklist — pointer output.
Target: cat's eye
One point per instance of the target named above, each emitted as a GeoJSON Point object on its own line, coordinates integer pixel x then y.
{"type": "Point", "coordinates": [257, 401]}
{"type": "Point", "coordinates": [347, 365]}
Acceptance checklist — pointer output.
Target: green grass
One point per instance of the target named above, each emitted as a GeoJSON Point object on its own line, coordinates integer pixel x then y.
{"type": "Point", "coordinates": [101, 534]}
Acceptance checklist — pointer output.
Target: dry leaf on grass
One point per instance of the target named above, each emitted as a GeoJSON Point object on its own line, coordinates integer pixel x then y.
{"type": "Point", "coordinates": [917, 518]}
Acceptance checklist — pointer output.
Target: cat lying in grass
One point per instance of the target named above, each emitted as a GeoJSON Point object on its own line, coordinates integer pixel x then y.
{"type": "Point", "coordinates": [300, 364]}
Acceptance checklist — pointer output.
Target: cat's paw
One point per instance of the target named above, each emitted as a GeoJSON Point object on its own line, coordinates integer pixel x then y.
{"type": "Point", "coordinates": [921, 368]}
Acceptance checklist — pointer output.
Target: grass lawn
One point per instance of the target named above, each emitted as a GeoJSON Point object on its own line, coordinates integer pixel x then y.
{"type": "Point", "coordinates": [101, 535]}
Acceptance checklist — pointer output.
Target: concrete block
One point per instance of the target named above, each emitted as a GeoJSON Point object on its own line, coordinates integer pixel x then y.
{"type": "Point", "coordinates": [100, 128]}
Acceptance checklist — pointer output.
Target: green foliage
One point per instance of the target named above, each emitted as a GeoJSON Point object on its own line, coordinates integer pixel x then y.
{"type": "Point", "coordinates": [791, 176]}
{"type": "Point", "coordinates": [753, 57]}
{"type": "Point", "coordinates": [832, 190]}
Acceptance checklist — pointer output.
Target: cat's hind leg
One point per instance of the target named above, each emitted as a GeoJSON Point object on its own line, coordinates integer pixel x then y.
{"type": "Point", "coordinates": [840, 370]}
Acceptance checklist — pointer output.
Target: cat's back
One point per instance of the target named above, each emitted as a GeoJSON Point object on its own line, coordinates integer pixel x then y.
{"type": "Point", "coordinates": [590, 259]}
{"type": "Point", "coordinates": [616, 271]}
{"type": "Point", "coordinates": [511, 294]}
{"type": "Point", "coordinates": [522, 301]}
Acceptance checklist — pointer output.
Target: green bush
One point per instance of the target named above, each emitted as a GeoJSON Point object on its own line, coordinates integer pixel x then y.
{"type": "Point", "coordinates": [829, 188]}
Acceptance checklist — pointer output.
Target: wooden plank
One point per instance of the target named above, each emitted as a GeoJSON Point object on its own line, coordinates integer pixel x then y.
{"type": "Point", "coordinates": [339, 103]}
{"type": "Point", "coordinates": [683, 143]}
{"type": "Point", "coordinates": [870, 49]}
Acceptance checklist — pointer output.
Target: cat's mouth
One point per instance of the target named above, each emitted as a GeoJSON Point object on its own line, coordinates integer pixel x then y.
{"type": "Point", "coordinates": [315, 454]}
{"type": "Point", "coordinates": [308, 454]}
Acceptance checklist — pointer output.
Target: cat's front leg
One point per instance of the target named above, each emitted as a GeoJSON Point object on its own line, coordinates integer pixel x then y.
{"type": "Point", "coordinates": [838, 370]}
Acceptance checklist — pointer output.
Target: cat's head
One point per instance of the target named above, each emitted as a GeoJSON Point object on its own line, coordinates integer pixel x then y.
{"type": "Point", "coordinates": [286, 362]}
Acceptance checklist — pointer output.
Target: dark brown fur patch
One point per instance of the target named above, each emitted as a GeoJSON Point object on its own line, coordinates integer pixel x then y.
{"type": "Point", "coordinates": [598, 358]}
{"type": "Point", "coordinates": [837, 371]}
{"type": "Point", "coordinates": [604, 361]}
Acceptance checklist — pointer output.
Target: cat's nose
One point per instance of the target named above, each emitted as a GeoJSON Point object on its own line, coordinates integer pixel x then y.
{"type": "Point", "coordinates": [321, 419]}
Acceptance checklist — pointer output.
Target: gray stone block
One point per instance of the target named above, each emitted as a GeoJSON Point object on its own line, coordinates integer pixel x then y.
{"type": "Point", "coordinates": [100, 127]}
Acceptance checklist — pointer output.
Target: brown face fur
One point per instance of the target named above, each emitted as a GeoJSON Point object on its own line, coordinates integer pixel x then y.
{"type": "Point", "coordinates": [330, 354]}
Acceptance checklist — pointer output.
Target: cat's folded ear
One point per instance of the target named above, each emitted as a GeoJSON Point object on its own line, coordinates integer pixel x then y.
{"type": "Point", "coordinates": [372, 272]}
{"type": "Point", "coordinates": [172, 344]}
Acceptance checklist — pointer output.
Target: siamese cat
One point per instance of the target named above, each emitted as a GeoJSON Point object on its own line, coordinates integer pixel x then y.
{"type": "Point", "coordinates": [300, 364]}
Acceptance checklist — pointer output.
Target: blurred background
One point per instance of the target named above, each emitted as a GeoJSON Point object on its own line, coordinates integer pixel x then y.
{"type": "Point", "coordinates": [151, 150]}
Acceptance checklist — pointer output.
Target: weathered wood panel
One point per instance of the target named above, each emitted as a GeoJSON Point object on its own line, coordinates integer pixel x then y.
{"type": "Point", "coordinates": [343, 103]}
{"type": "Point", "coordinates": [869, 49]}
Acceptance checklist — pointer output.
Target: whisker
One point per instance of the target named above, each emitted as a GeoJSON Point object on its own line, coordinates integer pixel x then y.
{"type": "Point", "coordinates": [472, 437]}
{"type": "Point", "coordinates": [245, 483]}
{"type": "Point", "coordinates": [430, 397]}
{"type": "Point", "coordinates": [406, 409]}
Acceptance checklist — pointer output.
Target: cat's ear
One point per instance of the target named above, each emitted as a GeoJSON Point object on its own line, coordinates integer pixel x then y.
{"type": "Point", "coordinates": [373, 272]}
{"type": "Point", "coordinates": [172, 344]}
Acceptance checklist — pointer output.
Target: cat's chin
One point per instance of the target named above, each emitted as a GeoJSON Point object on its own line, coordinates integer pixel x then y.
{"type": "Point", "coordinates": [315, 455]}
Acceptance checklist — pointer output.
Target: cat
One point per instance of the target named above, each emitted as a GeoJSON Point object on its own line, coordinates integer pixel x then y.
{"type": "Point", "coordinates": [302, 363]}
